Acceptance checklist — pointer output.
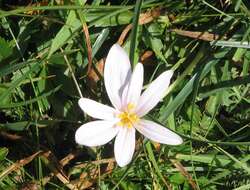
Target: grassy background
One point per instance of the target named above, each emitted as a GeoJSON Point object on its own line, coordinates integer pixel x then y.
{"type": "Point", "coordinates": [52, 51]}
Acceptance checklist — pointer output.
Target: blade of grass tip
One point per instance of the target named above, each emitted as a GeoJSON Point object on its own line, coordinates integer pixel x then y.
{"type": "Point", "coordinates": [97, 45]}
{"type": "Point", "coordinates": [99, 41]}
{"type": "Point", "coordinates": [134, 31]}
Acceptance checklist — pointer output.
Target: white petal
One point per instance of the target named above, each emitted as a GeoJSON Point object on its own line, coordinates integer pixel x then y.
{"type": "Point", "coordinates": [117, 72]}
{"type": "Point", "coordinates": [124, 146]}
{"type": "Point", "coordinates": [154, 93]}
{"type": "Point", "coordinates": [96, 133]}
{"type": "Point", "coordinates": [96, 110]}
{"type": "Point", "coordinates": [124, 98]}
{"type": "Point", "coordinates": [158, 133]}
{"type": "Point", "coordinates": [135, 86]}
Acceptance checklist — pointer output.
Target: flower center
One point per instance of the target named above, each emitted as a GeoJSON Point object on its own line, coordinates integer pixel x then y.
{"type": "Point", "coordinates": [128, 117]}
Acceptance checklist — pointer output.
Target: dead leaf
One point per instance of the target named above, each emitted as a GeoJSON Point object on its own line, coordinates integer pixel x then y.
{"type": "Point", "coordinates": [88, 44]}
{"type": "Point", "coordinates": [37, 4]}
{"type": "Point", "coordinates": [18, 164]}
{"type": "Point", "coordinates": [206, 36]}
{"type": "Point", "coordinates": [183, 171]}
{"type": "Point", "coordinates": [144, 18]}
{"type": "Point", "coordinates": [93, 76]}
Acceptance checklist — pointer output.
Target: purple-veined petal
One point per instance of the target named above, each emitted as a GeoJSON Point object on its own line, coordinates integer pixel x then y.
{"type": "Point", "coordinates": [124, 146]}
{"type": "Point", "coordinates": [117, 72]}
{"type": "Point", "coordinates": [154, 93]}
{"type": "Point", "coordinates": [158, 133]}
{"type": "Point", "coordinates": [96, 133]}
{"type": "Point", "coordinates": [96, 109]}
{"type": "Point", "coordinates": [132, 94]}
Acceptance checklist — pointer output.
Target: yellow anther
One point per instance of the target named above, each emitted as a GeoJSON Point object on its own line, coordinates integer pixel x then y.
{"type": "Point", "coordinates": [128, 118]}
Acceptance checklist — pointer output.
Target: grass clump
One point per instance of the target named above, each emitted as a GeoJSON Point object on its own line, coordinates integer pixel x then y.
{"type": "Point", "coordinates": [53, 52]}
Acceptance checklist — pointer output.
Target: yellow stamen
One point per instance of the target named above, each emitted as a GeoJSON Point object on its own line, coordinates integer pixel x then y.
{"type": "Point", "coordinates": [128, 118]}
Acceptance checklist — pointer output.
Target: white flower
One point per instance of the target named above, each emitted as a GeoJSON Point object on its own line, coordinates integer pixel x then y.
{"type": "Point", "coordinates": [124, 91]}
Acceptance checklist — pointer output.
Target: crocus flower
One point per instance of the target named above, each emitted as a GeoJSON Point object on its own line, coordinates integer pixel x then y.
{"type": "Point", "coordinates": [129, 106]}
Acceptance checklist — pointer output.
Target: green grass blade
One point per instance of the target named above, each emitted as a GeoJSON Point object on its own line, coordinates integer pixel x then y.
{"type": "Point", "coordinates": [14, 84]}
{"type": "Point", "coordinates": [33, 100]}
{"type": "Point", "coordinates": [133, 39]}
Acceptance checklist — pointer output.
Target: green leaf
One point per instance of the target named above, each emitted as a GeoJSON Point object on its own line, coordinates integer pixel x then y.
{"type": "Point", "coordinates": [17, 126]}
{"type": "Point", "coordinates": [3, 153]}
{"type": "Point", "coordinates": [17, 81]}
{"type": "Point", "coordinates": [239, 54]}
{"type": "Point", "coordinates": [5, 49]}
{"type": "Point", "coordinates": [211, 105]}
{"type": "Point", "coordinates": [114, 18]}
{"type": "Point", "coordinates": [64, 35]}
{"type": "Point", "coordinates": [213, 160]}
{"type": "Point", "coordinates": [243, 187]}
{"type": "Point", "coordinates": [188, 88]}
{"type": "Point", "coordinates": [236, 44]}
{"type": "Point", "coordinates": [3, 88]}
{"type": "Point", "coordinates": [24, 103]}
{"type": "Point", "coordinates": [99, 41]}
{"type": "Point", "coordinates": [133, 44]}
{"type": "Point", "coordinates": [7, 69]}
{"type": "Point", "coordinates": [41, 88]}
{"type": "Point", "coordinates": [177, 179]}
{"type": "Point", "coordinates": [22, 125]}
{"type": "Point", "coordinates": [223, 85]}
{"type": "Point", "coordinates": [154, 162]}
{"type": "Point", "coordinates": [154, 41]}
{"type": "Point", "coordinates": [194, 114]}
